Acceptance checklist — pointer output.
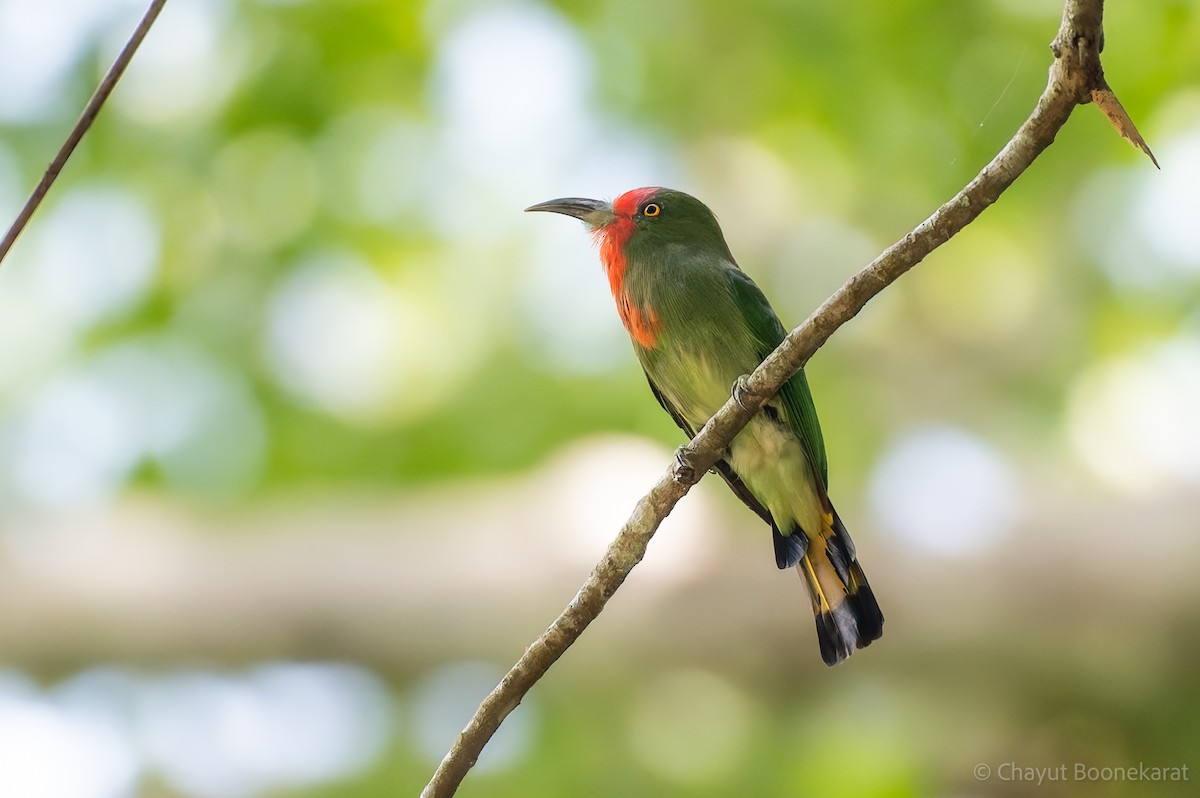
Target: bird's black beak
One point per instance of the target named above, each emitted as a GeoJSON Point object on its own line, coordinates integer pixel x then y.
{"type": "Point", "coordinates": [594, 213]}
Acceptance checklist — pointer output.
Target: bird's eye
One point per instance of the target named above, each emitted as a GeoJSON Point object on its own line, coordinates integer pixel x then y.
{"type": "Point", "coordinates": [651, 210]}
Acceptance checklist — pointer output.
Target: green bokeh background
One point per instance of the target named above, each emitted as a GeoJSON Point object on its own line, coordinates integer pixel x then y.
{"type": "Point", "coordinates": [344, 336]}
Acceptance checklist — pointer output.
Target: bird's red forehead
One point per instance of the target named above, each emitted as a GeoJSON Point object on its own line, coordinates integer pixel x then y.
{"type": "Point", "coordinates": [628, 203]}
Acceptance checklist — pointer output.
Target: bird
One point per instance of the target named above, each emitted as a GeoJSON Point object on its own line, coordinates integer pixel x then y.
{"type": "Point", "coordinates": [698, 324]}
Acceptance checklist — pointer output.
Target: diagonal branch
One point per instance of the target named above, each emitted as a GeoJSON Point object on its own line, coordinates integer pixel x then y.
{"type": "Point", "coordinates": [86, 118]}
{"type": "Point", "coordinates": [1074, 74]}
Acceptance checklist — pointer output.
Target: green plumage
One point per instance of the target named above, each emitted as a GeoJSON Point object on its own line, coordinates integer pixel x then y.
{"type": "Point", "coordinates": [714, 326]}
{"type": "Point", "coordinates": [697, 323]}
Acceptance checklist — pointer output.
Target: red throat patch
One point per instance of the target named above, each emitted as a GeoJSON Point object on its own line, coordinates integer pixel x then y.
{"type": "Point", "coordinates": [642, 323]}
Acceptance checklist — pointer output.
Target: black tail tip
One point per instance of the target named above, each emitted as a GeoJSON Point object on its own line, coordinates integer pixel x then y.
{"type": "Point", "coordinates": [870, 617]}
{"type": "Point", "coordinates": [854, 623]}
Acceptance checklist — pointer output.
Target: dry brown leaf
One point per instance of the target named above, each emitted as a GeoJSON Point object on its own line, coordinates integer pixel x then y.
{"type": "Point", "coordinates": [1107, 102]}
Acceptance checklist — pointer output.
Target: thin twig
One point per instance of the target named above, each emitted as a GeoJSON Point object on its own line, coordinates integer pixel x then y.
{"type": "Point", "coordinates": [85, 121]}
{"type": "Point", "coordinates": [1076, 65]}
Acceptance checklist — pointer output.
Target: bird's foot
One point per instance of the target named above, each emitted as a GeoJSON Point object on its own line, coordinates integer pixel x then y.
{"type": "Point", "coordinates": [684, 472]}
{"type": "Point", "coordinates": [742, 393]}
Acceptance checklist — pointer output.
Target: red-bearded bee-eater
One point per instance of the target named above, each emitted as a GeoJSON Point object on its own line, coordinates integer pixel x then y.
{"type": "Point", "coordinates": [698, 323]}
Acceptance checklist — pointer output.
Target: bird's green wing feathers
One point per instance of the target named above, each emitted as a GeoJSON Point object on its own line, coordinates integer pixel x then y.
{"type": "Point", "coordinates": [795, 397]}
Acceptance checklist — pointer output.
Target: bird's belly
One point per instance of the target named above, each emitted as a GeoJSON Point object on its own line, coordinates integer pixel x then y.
{"type": "Point", "coordinates": [698, 387]}
{"type": "Point", "coordinates": [771, 461]}
{"type": "Point", "coordinates": [767, 455]}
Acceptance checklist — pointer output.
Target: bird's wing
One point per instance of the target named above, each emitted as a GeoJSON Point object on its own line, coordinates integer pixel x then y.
{"type": "Point", "coordinates": [722, 467]}
{"type": "Point", "coordinates": [794, 396]}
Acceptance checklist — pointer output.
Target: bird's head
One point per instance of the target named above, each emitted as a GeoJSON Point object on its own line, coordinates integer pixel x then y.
{"type": "Point", "coordinates": [643, 217]}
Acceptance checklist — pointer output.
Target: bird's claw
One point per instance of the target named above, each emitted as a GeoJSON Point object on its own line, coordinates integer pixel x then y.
{"type": "Point", "coordinates": [741, 392]}
{"type": "Point", "coordinates": [684, 472]}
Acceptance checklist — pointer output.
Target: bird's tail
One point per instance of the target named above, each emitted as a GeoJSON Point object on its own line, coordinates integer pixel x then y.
{"type": "Point", "coordinates": [848, 617]}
